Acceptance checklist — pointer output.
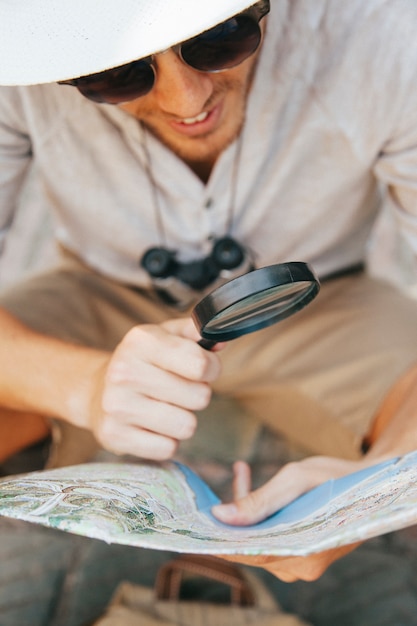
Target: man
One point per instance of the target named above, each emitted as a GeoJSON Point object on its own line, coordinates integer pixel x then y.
{"type": "Point", "coordinates": [162, 129]}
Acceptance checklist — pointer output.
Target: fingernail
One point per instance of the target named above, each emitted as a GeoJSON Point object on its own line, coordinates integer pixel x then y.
{"type": "Point", "coordinates": [224, 511]}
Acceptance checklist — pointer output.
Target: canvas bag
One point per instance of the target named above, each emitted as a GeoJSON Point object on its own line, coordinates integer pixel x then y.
{"type": "Point", "coordinates": [251, 602]}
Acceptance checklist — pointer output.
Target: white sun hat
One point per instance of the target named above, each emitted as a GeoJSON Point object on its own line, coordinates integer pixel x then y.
{"type": "Point", "coordinates": [44, 41]}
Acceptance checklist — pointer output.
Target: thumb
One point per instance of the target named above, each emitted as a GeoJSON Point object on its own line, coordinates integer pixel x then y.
{"type": "Point", "coordinates": [291, 481]}
{"type": "Point", "coordinates": [243, 512]}
{"type": "Point", "coordinates": [255, 506]}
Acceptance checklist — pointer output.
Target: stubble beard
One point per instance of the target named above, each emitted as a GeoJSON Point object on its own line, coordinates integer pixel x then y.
{"type": "Point", "coordinates": [206, 148]}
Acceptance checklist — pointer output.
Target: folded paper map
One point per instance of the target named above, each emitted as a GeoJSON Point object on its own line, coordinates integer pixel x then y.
{"type": "Point", "coordinates": [167, 507]}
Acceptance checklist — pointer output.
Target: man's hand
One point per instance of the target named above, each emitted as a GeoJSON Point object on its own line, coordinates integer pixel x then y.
{"type": "Point", "coordinates": [291, 481]}
{"type": "Point", "coordinates": [146, 393]}
{"type": "Point", "coordinates": [138, 400]}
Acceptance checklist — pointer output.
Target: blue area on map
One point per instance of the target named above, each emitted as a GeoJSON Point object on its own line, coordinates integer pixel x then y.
{"type": "Point", "coordinates": [297, 510]}
{"type": "Point", "coordinates": [205, 497]}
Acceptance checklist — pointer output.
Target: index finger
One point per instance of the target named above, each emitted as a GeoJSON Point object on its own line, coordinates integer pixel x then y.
{"type": "Point", "coordinates": [172, 352]}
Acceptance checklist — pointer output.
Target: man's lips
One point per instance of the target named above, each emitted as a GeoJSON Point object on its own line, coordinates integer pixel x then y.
{"type": "Point", "coordinates": [201, 124]}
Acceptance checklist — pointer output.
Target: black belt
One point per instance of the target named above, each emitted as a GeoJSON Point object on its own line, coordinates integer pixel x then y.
{"type": "Point", "coordinates": [358, 268]}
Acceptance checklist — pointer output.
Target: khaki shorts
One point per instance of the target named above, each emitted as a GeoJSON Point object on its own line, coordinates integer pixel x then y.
{"type": "Point", "coordinates": [318, 377]}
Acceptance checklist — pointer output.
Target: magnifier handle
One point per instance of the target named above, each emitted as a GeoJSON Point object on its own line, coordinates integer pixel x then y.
{"type": "Point", "coordinates": [207, 344]}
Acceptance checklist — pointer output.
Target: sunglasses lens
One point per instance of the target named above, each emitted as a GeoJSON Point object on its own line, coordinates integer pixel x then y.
{"type": "Point", "coordinates": [226, 45]}
{"type": "Point", "coordinates": [223, 46]}
{"type": "Point", "coordinates": [119, 85]}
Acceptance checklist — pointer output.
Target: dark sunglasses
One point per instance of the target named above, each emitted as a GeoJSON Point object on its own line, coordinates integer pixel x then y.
{"type": "Point", "coordinates": [222, 47]}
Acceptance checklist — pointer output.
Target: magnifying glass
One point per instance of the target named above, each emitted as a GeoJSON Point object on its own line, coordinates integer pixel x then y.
{"type": "Point", "coordinates": [253, 301]}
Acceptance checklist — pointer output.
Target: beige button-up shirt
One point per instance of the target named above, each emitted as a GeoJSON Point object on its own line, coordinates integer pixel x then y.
{"type": "Point", "coordinates": [331, 115]}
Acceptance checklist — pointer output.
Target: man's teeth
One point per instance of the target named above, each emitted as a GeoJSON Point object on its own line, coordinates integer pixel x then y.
{"type": "Point", "coordinates": [197, 118]}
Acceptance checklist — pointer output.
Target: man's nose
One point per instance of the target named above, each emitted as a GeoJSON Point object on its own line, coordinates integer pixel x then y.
{"type": "Point", "coordinates": [179, 89]}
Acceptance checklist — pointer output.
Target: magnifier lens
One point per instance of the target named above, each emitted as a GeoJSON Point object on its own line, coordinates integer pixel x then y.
{"type": "Point", "coordinates": [255, 300]}
{"type": "Point", "coordinates": [258, 308]}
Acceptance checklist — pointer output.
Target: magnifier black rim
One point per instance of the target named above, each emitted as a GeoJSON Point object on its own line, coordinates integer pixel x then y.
{"type": "Point", "coordinates": [250, 284]}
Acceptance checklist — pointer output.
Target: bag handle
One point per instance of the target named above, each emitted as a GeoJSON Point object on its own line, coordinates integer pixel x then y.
{"type": "Point", "coordinates": [171, 575]}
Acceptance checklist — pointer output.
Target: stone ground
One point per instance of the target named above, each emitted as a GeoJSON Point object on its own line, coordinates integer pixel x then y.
{"type": "Point", "coordinates": [49, 578]}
